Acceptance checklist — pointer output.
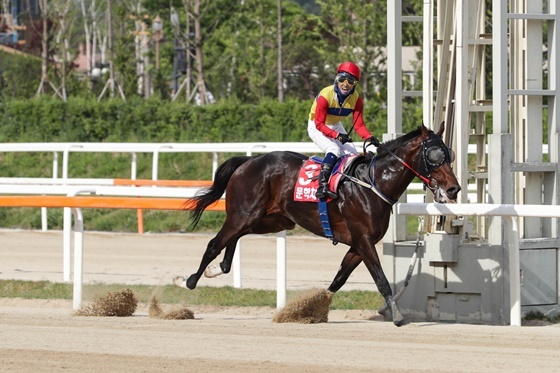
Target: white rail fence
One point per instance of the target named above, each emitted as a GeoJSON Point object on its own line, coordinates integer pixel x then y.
{"type": "Point", "coordinates": [155, 149]}
{"type": "Point", "coordinates": [248, 148]}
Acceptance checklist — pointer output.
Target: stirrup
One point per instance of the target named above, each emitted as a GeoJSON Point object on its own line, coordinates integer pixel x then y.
{"type": "Point", "coordinates": [327, 193]}
{"type": "Point", "coordinates": [331, 194]}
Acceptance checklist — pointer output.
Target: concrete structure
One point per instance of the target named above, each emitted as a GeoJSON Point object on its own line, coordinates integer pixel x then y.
{"type": "Point", "coordinates": [462, 273]}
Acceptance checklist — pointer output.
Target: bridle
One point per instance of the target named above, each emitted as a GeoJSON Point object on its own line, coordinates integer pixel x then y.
{"type": "Point", "coordinates": [434, 154]}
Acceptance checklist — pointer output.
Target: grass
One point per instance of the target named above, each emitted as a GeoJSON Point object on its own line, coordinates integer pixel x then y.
{"type": "Point", "coordinates": [226, 296]}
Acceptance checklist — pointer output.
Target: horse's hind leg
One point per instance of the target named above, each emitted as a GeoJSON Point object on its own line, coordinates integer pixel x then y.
{"type": "Point", "coordinates": [225, 265]}
{"type": "Point", "coordinates": [268, 224]}
{"type": "Point", "coordinates": [214, 270]}
{"type": "Point", "coordinates": [214, 248]}
{"type": "Point", "coordinates": [349, 263]}
{"type": "Point", "coordinates": [235, 226]}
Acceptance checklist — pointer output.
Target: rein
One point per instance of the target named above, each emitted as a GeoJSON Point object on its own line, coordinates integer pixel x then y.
{"type": "Point", "coordinates": [371, 186]}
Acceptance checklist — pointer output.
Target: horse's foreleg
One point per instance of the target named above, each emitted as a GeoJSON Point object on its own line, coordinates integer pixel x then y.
{"type": "Point", "coordinates": [373, 264]}
{"type": "Point", "coordinates": [214, 270]}
{"type": "Point", "coordinates": [350, 261]}
{"type": "Point", "coordinates": [385, 290]}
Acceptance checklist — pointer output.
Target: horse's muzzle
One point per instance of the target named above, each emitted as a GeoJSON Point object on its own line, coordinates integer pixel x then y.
{"type": "Point", "coordinates": [453, 191]}
{"type": "Point", "coordinates": [448, 195]}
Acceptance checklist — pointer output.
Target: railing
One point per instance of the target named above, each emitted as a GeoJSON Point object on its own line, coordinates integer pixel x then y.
{"type": "Point", "coordinates": [155, 149]}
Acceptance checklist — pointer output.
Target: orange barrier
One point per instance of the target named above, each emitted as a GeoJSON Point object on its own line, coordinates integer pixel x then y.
{"type": "Point", "coordinates": [177, 183]}
{"type": "Point", "coordinates": [103, 202]}
{"type": "Point", "coordinates": [147, 182]}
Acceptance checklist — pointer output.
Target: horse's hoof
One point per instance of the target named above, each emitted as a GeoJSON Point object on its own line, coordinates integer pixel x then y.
{"type": "Point", "coordinates": [180, 281]}
{"type": "Point", "coordinates": [213, 270]}
{"type": "Point", "coordinates": [399, 322]}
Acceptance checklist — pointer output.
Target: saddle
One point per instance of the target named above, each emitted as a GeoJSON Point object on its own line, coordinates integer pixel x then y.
{"type": "Point", "coordinates": [308, 177]}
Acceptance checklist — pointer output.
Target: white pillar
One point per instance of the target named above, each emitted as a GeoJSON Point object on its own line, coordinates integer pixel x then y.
{"type": "Point", "coordinates": [281, 270]}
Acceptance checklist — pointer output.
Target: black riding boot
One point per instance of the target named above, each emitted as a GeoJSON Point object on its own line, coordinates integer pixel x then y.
{"type": "Point", "coordinates": [323, 191]}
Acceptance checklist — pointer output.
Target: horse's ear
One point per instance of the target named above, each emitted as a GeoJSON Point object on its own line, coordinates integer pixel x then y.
{"type": "Point", "coordinates": [424, 130]}
{"type": "Point", "coordinates": [441, 128]}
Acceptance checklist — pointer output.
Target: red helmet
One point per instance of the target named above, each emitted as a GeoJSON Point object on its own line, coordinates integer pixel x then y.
{"type": "Point", "coordinates": [350, 68]}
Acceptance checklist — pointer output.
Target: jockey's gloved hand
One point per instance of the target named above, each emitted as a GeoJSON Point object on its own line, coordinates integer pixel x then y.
{"type": "Point", "coordinates": [343, 138]}
{"type": "Point", "coordinates": [374, 141]}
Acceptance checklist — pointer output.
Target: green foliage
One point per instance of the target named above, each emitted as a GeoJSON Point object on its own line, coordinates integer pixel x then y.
{"type": "Point", "coordinates": [15, 71]}
{"type": "Point", "coordinates": [48, 119]}
{"type": "Point", "coordinates": [239, 44]}
{"type": "Point", "coordinates": [359, 34]}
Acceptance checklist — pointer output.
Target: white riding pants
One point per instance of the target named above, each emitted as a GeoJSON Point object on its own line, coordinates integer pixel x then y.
{"type": "Point", "coordinates": [327, 144]}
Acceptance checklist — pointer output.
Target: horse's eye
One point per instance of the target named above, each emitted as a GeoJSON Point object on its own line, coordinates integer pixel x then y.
{"type": "Point", "coordinates": [435, 155]}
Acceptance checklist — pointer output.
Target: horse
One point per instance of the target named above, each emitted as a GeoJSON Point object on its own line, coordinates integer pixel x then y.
{"type": "Point", "coordinates": [259, 199]}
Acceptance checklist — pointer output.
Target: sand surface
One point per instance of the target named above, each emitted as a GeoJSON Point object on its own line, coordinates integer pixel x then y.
{"type": "Point", "coordinates": [44, 336]}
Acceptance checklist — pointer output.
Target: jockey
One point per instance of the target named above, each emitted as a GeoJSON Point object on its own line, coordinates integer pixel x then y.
{"type": "Point", "coordinates": [334, 103]}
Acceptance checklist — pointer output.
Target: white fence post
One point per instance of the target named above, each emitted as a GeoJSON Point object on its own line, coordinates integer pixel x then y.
{"type": "Point", "coordinates": [78, 258]}
{"type": "Point", "coordinates": [281, 270]}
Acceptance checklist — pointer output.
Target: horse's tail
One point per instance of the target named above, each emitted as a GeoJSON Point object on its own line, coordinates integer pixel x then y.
{"type": "Point", "coordinates": [210, 195]}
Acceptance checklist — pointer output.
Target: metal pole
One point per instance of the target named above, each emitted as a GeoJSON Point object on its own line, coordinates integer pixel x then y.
{"type": "Point", "coordinates": [394, 67]}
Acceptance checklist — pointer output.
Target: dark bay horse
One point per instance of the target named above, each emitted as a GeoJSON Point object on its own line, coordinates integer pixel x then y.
{"type": "Point", "coordinates": [259, 199]}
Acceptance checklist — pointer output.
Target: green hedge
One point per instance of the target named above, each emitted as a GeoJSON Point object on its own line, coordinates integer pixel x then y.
{"type": "Point", "coordinates": [48, 119]}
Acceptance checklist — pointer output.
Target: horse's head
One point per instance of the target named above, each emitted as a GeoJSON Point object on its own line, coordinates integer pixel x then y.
{"type": "Point", "coordinates": [423, 154]}
{"type": "Point", "coordinates": [434, 166]}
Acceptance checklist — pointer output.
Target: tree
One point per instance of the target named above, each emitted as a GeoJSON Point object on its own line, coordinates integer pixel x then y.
{"type": "Point", "coordinates": [246, 45]}
{"type": "Point", "coordinates": [63, 14]}
{"type": "Point", "coordinates": [304, 41]}
{"type": "Point", "coordinates": [45, 37]}
{"type": "Point", "coordinates": [361, 32]}
{"type": "Point", "coordinates": [111, 82]}
{"type": "Point", "coordinates": [280, 77]}
{"type": "Point", "coordinates": [192, 8]}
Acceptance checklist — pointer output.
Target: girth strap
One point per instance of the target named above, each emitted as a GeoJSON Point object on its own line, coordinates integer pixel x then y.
{"type": "Point", "coordinates": [324, 218]}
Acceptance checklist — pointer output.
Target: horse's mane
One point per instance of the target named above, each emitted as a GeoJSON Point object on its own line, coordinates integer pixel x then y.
{"type": "Point", "coordinates": [392, 145]}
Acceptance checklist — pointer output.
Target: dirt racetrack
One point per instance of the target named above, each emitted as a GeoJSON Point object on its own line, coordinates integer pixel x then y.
{"type": "Point", "coordinates": [44, 336]}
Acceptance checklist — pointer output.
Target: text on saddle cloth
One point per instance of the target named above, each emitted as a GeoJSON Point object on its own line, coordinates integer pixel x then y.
{"type": "Point", "coordinates": [308, 177]}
